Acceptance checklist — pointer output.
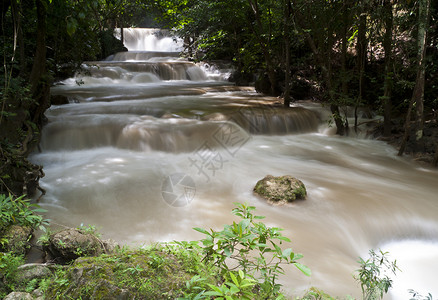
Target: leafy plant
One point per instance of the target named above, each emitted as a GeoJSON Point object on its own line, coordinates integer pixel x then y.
{"type": "Point", "coordinates": [89, 229]}
{"type": "Point", "coordinates": [9, 264]}
{"type": "Point", "coordinates": [238, 288]}
{"type": "Point", "coordinates": [21, 212]}
{"type": "Point", "coordinates": [253, 246]}
{"type": "Point", "coordinates": [44, 239]}
{"type": "Point", "coordinates": [315, 294]}
{"type": "Point", "coordinates": [373, 275]}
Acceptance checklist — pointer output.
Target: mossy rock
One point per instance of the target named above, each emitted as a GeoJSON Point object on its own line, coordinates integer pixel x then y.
{"type": "Point", "coordinates": [25, 277]}
{"type": "Point", "coordinates": [281, 189]}
{"type": "Point", "coordinates": [156, 273]}
{"type": "Point", "coordinates": [28, 272]}
{"type": "Point", "coordinates": [16, 239]}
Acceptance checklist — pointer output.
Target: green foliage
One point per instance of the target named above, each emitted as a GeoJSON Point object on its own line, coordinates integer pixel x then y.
{"type": "Point", "coordinates": [8, 268]}
{"type": "Point", "coordinates": [44, 239]}
{"type": "Point", "coordinates": [243, 261]}
{"type": "Point", "coordinates": [374, 275]}
{"type": "Point", "coordinates": [253, 246]}
{"type": "Point", "coordinates": [238, 288]}
{"type": "Point", "coordinates": [315, 294]}
{"type": "Point", "coordinates": [21, 212]}
{"type": "Point", "coordinates": [89, 229]}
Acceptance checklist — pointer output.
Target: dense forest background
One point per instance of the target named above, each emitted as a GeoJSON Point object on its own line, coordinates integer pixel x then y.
{"type": "Point", "coordinates": [377, 55]}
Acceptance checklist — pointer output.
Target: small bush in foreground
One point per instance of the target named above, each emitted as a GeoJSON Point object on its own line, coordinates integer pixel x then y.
{"type": "Point", "coordinates": [251, 247]}
{"type": "Point", "coordinates": [373, 275]}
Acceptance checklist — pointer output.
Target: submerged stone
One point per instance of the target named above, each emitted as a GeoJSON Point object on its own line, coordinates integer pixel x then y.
{"type": "Point", "coordinates": [281, 189]}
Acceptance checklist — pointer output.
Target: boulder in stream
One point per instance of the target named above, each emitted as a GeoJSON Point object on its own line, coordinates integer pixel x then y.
{"type": "Point", "coordinates": [281, 189]}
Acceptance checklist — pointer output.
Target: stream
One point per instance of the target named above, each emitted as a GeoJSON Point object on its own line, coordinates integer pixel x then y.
{"type": "Point", "coordinates": [152, 145]}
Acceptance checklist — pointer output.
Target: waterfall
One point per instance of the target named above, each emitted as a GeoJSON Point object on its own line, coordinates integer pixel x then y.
{"type": "Point", "coordinates": [149, 39]}
{"type": "Point", "coordinates": [143, 116]}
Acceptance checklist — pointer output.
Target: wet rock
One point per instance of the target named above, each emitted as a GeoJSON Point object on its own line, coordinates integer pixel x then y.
{"type": "Point", "coordinates": [69, 244]}
{"type": "Point", "coordinates": [110, 245]}
{"type": "Point", "coordinates": [18, 296]}
{"type": "Point", "coordinates": [281, 189]}
{"type": "Point", "coordinates": [17, 238]}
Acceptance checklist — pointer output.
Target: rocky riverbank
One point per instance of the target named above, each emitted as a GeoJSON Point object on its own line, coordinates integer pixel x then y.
{"type": "Point", "coordinates": [424, 152]}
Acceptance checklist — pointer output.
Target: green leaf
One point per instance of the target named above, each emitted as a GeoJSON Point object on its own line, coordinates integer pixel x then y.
{"type": "Point", "coordinates": [283, 238]}
{"type": "Point", "coordinates": [277, 248]}
{"type": "Point", "coordinates": [201, 230]}
{"type": "Point", "coordinates": [287, 253]}
{"type": "Point", "coordinates": [297, 256]}
{"type": "Point", "coordinates": [234, 279]}
{"type": "Point", "coordinates": [216, 291]}
{"type": "Point", "coordinates": [213, 293]}
{"type": "Point", "coordinates": [244, 224]}
{"type": "Point", "coordinates": [306, 270]}
{"type": "Point", "coordinates": [234, 289]}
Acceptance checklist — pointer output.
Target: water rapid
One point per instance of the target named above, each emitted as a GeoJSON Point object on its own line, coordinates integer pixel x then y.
{"type": "Point", "coordinates": [143, 121]}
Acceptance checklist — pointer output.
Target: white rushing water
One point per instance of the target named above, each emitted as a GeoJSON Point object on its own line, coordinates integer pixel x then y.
{"type": "Point", "coordinates": [134, 128]}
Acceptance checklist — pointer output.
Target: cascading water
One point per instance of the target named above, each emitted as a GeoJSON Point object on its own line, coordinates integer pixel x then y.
{"type": "Point", "coordinates": [138, 123]}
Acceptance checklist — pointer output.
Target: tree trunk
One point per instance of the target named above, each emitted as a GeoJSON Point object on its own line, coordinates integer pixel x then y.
{"type": "Point", "coordinates": [418, 94]}
{"type": "Point", "coordinates": [361, 49]}
{"type": "Point", "coordinates": [39, 62]}
{"type": "Point", "coordinates": [435, 159]}
{"type": "Point", "coordinates": [40, 86]}
{"type": "Point", "coordinates": [122, 32]}
{"type": "Point", "coordinates": [334, 108]}
{"type": "Point", "coordinates": [387, 46]}
{"type": "Point", "coordinates": [344, 48]}
{"type": "Point", "coordinates": [287, 13]}
{"type": "Point", "coordinates": [422, 36]}
{"type": "Point", "coordinates": [344, 45]}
